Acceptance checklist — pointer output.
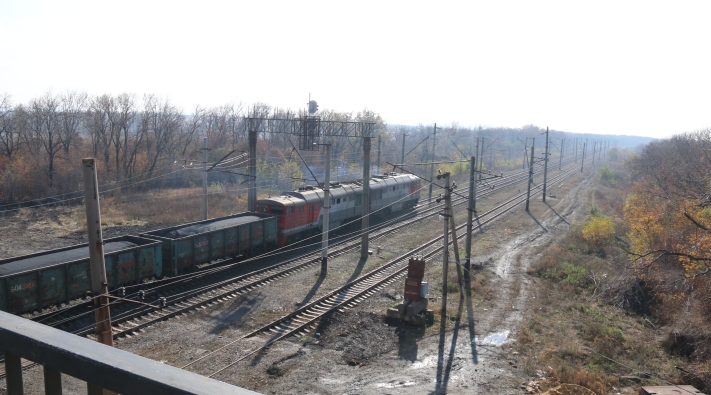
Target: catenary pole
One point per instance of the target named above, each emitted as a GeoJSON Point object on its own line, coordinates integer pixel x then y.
{"type": "Point", "coordinates": [379, 171]}
{"type": "Point", "coordinates": [470, 219]}
{"type": "Point", "coordinates": [455, 245]}
{"type": "Point", "coordinates": [530, 173]}
{"type": "Point", "coordinates": [560, 160]}
{"type": "Point", "coordinates": [576, 150]}
{"type": "Point", "coordinates": [252, 192]}
{"type": "Point", "coordinates": [365, 216]}
{"type": "Point", "coordinates": [434, 142]}
{"type": "Point", "coordinates": [445, 250]}
{"type": "Point", "coordinates": [582, 160]}
{"type": "Point", "coordinates": [545, 168]}
{"type": "Point", "coordinates": [204, 178]}
{"type": "Point", "coordinates": [326, 209]}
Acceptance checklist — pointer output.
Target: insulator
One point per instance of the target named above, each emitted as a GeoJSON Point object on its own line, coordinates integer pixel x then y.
{"type": "Point", "coordinates": [142, 294]}
{"type": "Point", "coordinates": [122, 292]}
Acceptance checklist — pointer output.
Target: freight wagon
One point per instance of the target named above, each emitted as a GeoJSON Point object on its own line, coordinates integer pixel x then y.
{"type": "Point", "coordinates": [47, 278]}
{"type": "Point", "coordinates": [185, 246]}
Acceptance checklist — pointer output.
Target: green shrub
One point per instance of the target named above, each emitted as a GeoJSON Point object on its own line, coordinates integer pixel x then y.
{"type": "Point", "coordinates": [608, 174]}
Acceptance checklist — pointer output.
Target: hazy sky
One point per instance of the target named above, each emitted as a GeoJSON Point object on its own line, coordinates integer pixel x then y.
{"type": "Point", "coordinates": [619, 67]}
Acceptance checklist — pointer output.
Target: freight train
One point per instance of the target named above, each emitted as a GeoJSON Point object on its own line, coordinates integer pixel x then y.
{"type": "Point", "coordinates": [300, 213]}
{"type": "Point", "coordinates": [32, 282]}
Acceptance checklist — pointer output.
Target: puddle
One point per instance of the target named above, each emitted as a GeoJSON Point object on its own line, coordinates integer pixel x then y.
{"type": "Point", "coordinates": [494, 339]}
{"type": "Point", "coordinates": [395, 384]}
{"type": "Point", "coordinates": [427, 361]}
{"type": "Point", "coordinates": [326, 380]}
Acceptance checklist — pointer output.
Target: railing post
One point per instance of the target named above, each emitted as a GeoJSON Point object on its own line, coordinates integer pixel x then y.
{"type": "Point", "coordinates": [52, 381]}
{"type": "Point", "coordinates": [13, 370]}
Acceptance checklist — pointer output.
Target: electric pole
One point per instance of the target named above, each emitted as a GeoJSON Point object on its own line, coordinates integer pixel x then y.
{"type": "Point", "coordinates": [434, 141]}
{"type": "Point", "coordinates": [326, 209]}
{"type": "Point", "coordinates": [379, 154]}
{"type": "Point", "coordinates": [366, 195]}
{"type": "Point", "coordinates": [99, 286]}
{"type": "Point", "coordinates": [204, 178]}
{"type": "Point", "coordinates": [593, 156]}
{"type": "Point", "coordinates": [560, 162]}
{"type": "Point", "coordinates": [576, 150]}
{"type": "Point", "coordinates": [445, 248]}
{"type": "Point", "coordinates": [402, 157]}
{"type": "Point", "coordinates": [545, 168]}
{"type": "Point", "coordinates": [530, 173]}
{"type": "Point", "coordinates": [481, 157]}
{"type": "Point", "coordinates": [470, 219]}
{"type": "Point", "coordinates": [582, 161]}
{"type": "Point", "coordinates": [252, 191]}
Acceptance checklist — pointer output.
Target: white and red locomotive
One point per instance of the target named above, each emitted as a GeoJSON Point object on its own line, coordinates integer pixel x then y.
{"type": "Point", "coordinates": [300, 212]}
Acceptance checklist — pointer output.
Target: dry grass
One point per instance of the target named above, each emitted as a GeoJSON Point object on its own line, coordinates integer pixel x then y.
{"type": "Point", "coordinates": [587, 321]}
{"type": "Point", "coordinates": [169, 206]}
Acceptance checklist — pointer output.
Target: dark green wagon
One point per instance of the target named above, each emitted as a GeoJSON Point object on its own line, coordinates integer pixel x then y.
{"type": "Point", "coordinates": [188, 245]}
{"type": "Point", "coordinates": [31, 282]}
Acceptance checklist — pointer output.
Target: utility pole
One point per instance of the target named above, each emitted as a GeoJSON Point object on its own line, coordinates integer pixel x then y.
{"type": "Point", "coordinates": [379, 171]}
{"type": "Point", "coordinates": [599, 152]}
{"type": "Point", "coordinates": [593, 156]}
{"type": "Point", "coordinates": [366, 196]}
{"type": "Point", "coordinates": [402, 157]}
{"type": "Point", "coordinates": [445, 249]}
{"type": "Point", "coordinates": [326, 209]}
{"type": "Point", "coordinates": [434, 141]}
{"type": "Point", "coordinates": [455, 244]}
{"type": "Point", "coordinates": [560, 162]}
{"type": "Point", "coordinates": [252, 192]}
{"type": "Point", "coordinates": [99, 286]}
{"type": "Point", "coordinates": [530, 173]}
{"type": "Point", "coordinates": [525, 150]}
{"type": "Point", "coordinates": [576, 149]}
{"type": "Point", "coordinates": [470, 219]}
{"type": "Point", "coordinates": [582, 161]}
{"type": "Point", "coordinates": [204, 178]}
{"type": "Point", "coordinates": [481, 158]}
{"type": "Point", "coordinates": [545, 168]}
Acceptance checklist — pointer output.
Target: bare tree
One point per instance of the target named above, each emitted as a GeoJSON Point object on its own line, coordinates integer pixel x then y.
{"type": "Point", "coordinates": [44, 123]}
{"type": "Point", "coordinates": [161, 121]}
{"type": "Point", "coordinates": [71, 110]}
{"type": "Point", "coordinates": [9, 133]}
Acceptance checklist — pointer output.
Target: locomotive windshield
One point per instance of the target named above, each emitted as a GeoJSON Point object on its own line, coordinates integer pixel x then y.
{"type": "Point", "coordinates": [277, 209]}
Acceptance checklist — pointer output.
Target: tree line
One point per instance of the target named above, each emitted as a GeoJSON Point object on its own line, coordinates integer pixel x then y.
{"type": "Point", "coordinates": [135, 138]}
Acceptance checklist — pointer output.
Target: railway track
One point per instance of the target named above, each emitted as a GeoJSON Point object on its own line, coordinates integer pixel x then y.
{"type": "Point", "coordinates": [304, 319]}
{"type": "Point", "coordinates": [178, 301]}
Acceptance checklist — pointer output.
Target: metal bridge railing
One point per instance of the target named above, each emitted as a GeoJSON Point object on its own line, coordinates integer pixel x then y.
{"type": "Point", "coordinates": [97, 364]}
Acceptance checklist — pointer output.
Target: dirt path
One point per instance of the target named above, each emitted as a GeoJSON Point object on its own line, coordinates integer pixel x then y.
{"type": "Point", "coordinates": [474, 357]}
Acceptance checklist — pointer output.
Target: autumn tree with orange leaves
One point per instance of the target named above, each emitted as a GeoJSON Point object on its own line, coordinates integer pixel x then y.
{"type": "Point", "coordinates": [669, 210]}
